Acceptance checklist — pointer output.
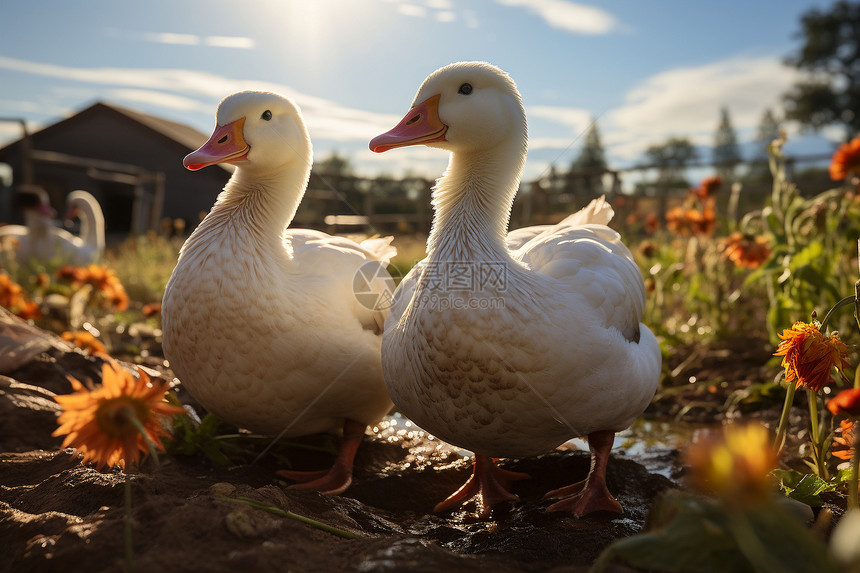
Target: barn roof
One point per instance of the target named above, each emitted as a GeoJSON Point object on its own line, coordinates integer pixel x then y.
{"type": "Point", "coordinates": [184, 135]}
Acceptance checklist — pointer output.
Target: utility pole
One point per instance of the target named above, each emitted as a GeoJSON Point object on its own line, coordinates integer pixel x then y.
{"type": "Point", "coordinates": [26, 149]}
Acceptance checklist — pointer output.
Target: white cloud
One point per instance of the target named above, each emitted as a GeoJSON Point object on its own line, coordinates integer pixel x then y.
{"type": "Point", "coordinates": [577, 119]}
{"type": "Point", "coordinates": [568, 16]}
{"type": "Point", "coordinates": [170, 38]}
{"type": "Point", "coordinates": [412, 10]}
{"type": "Point", "coordinates": [445, 16]}
{"type": "Point", "coordinates": [158, 99]}
{"type": "Point", "coordinates": [326, 119]}
{"type": "Point", "coordinates": [686, 102]}
{"type": "Point", "coordinates": [237, 42]}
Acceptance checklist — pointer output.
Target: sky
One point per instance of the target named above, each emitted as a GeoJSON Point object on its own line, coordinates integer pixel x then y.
{"type": "Point", "coordinates": [645, 70]}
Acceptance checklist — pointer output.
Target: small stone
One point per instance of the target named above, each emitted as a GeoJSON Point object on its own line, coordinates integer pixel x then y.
{"type": "Point", "coordinates": [222, 488]}
{"type": "Point", "coordinates": [240, 524]}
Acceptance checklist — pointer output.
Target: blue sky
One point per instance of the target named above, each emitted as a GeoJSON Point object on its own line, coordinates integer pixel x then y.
{"type": "Point", "coordinates": [646, 69]}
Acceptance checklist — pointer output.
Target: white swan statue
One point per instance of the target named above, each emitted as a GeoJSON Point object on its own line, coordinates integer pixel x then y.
{"type": "Point", "coordinates": [42, 239]}
{"type": "Point", "coordinates": [511, 344]}
{"type": "Point", "coordinates": [33, 239]}
{"type": "Point", "coordinates": [89, 245]}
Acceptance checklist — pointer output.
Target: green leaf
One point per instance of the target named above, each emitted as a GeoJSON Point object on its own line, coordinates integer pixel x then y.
{"type": "Point", "coordinates": [691, 534]}
{"type": "Point", "coordinates": [807, 256]}
{"type": "Point", "coordinates": [805, 488]}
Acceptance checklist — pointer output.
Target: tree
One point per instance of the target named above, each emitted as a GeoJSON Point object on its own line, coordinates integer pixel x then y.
{"type": "Point", "coordinates": [726, 154]}
{"type": "Point", "coordinates": [671, 158]}
{"type": "Point", "coordinates": [586, 171]}
{"type": "Point", "coordinates": [830, 54]}
{"type": "Point", "coordinates": [768, 130]}
{"type": "Point", "coordinates": [334, 164]}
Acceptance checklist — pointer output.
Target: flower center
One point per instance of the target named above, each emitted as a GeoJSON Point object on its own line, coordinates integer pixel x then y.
{"type": "Point", "coordinates": [114, 417]}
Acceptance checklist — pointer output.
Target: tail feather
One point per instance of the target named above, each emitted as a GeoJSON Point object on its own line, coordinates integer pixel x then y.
{"type": "Point", "coordinates": [597, 212]}
{"type": "Point", "coordinates": [380, 248]}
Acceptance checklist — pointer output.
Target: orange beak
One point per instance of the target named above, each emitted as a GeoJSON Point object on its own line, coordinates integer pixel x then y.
{"type": "Point", "coordinates": [226, 145]}
{"type": "Point", "coordinates": [420, 125]}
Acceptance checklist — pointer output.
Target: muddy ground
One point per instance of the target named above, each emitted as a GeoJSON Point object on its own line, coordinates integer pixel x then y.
{"type": "Point", "coordinates": [59, 515]}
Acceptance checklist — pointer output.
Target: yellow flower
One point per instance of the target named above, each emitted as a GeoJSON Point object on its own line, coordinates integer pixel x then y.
{"type": "Point", "coordinates": [734, 466]}
{"type": "Point", "coordinates": [808, 355]}
{"type": "Point", "coordinates": [101, 423]}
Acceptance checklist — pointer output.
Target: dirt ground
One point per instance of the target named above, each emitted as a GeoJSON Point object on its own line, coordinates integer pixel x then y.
{"type": "Point", "coordinates": [59, 515]}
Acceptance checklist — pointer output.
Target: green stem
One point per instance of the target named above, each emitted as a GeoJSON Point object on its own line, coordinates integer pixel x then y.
{"type": "Point", "coordinates": [282, 513]}
{"type": "Point", "coordinates": [783, 419]}
{"type": "Point", "coordinates": [840, 304]}
{"type": "Point", "coordinates": [129, 548]}
{"type": "Point", "coordinates": [750, 545]}
{"type": "Point", "coordinates": [139, 426]}
{"type": "Point", "coordinates": [817, 446]}
{"type": "Point", "coordinates": [854, 483]}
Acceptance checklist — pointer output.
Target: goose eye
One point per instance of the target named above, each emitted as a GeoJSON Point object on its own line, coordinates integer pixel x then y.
{"type": "Point", "coordinates": [267, 115]}
{"type": "Point", "coordinates": [465, 89]}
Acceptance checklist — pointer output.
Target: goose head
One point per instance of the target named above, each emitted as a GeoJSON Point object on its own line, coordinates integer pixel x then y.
{"type": "Point", "coordinates": [462, 107]}
{"type": "Point", "coordinates": [258, 132]}
{"type": "Point", "coordinates": [34, 201]}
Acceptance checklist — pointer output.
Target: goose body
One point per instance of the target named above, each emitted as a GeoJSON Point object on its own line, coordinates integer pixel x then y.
{"type": "Point", "coordinates": [261, 324]}
{"type": "Point", "coordinates": [509, 344]}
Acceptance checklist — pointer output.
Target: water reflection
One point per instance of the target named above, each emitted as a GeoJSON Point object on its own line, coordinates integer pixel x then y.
{"type": "Point", "coordinates": [654, 444]}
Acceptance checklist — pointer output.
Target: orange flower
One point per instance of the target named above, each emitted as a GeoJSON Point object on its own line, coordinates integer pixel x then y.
{"type": "Point", "coordinates": [846, 160]}
{"type": "Point", "coordinates": [685, 222]}
{"type": "Point", "coordinates": [734, 466]}
{"type": "Point", "coordinates": [13, 297]}
{"type": "Point", "coordinates": [703, 222]}
{"type": "Point", "coordinates": [746, 251]}
{"type": "Point", "coordinates": [101, 278]}
{"type": "Point", "coordinates": [151, 309]}
{"type": "Point", "coordinates": [677, 221]}
{"type": "Point", "coordinates": [843, 440]}
{"type": "Point", "coordinates": [101, 423]}
{"type": "Point", "coordinates": [652, 223]}
{"type": "Point", "coordinates": [648, 248]}
{"type": "Point", "coordinates": [708, 187]}
{"type": "Point", "coordinates": [846, 402]}
{"type": "Point", "coordinates": [809, 355]}
{"type": "Point", "coordinates": [76, 275]}
{"type": "Point", "coordinates": [85, 341]}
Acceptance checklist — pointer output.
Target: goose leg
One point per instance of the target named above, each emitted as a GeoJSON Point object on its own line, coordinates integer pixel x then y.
{"type": "Point", "coordinates": [591, 494]}
{"type": "Point", "coordinates": [333, 481]}
{"type": "Point", "coordinates": [488, 482]}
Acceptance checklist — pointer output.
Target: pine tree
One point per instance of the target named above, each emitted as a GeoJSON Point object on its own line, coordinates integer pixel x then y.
{"type": "Point", "coordinates": [726, 154]}
{"type": "Point", "coordinates": [768, 130]}
{"type": "Point", "coordinates": [586, 171]}
{"type": "Point", "coordinates": [829, 91]}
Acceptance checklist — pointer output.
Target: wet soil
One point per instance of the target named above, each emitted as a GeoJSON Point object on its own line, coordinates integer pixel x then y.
{"type": "Point", "coordinates": [57, 514]}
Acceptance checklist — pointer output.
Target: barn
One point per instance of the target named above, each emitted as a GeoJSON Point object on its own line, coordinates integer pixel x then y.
{"type": "Point", "coordinates": [130, 161]}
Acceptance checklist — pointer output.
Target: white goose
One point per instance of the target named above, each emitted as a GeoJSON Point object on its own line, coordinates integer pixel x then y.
{"type": "Point", "coordinates": [509, 353]}
{"type": "Point", "coordinates": [89, 246]}
{"type": "Point", "coordinates": [262, 324]}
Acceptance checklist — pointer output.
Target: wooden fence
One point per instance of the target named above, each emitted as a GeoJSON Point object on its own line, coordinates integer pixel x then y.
{"type": "Point", "coordinates": [344, 203]}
